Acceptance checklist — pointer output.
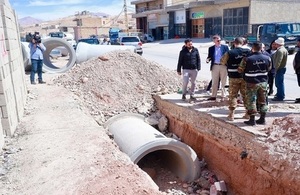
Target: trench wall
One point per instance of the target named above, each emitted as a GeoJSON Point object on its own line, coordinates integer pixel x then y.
{"type": "Point", "coordinates": [221, 144]}
{"type": "Point", "coordinates": [12, 75]}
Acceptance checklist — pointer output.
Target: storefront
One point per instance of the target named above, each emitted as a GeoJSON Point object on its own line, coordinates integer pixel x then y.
{"type": "Point", "coordinates": [180, 23]}
{"type": "Point", "coordinates": [197, 24]}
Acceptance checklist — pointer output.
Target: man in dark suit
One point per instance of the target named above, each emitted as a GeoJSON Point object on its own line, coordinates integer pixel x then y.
{"type": "Point", "coordinates": [218, 72]}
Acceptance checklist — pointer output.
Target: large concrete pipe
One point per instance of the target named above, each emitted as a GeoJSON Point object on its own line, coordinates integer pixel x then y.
{"type": "Point", "coordinates": [50, 44]}
{"type": "Point", "coordinates": [86, 51]}
{"type": "Point", "coordinates": [138, 139]}
{"type": "Point", "coordinates": [26, 55]}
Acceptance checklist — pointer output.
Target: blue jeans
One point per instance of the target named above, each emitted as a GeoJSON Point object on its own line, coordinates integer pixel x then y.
{"type": "Point", "coordinates": [36, 66]}
{"type": "Point", "coordinates": [279, 83]}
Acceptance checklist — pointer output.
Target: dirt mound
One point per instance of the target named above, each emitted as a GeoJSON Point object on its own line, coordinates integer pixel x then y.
{"type": "Point", "coordinates": [123, 82]}
{"type": "Point", "coordinates": [284, 137]}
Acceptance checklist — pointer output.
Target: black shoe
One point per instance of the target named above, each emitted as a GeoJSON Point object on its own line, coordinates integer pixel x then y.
{"type": "Point", "coordinates": [42, 82]}
{"type": "Point", "coordinates": [262, 119]}
{"type": "Point", "coordinates": [211, 98]}
{"type": "Point", "coordinates": [192, 98]}
{"type": "Point", "coordinates": [183, 97]}
{"type": "Point", "coordinates": [33, 83]}
{"type": "Point", "coordinates": [270, 93]}
{"type": "Point", "coordinates": [252, 121]}
{"type": "Point", "coordinates": [277, 99]}
{"type": "Point", "coordinates": [297, 101]}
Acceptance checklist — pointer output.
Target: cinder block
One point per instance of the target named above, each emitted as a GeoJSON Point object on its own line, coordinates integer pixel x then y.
{"type": "Point", "coordinates": [18, 91]}
{"type": "Point", "coordinates": [10, 33]}
{"type": "Point", "coordinates": [6, 11]}
{"type": "Point", "coordinates": [5, 71]}
{"type": "Point", "coordinates": [5, 2]}
{"type": "Point", "coordinates": [2, 88]}
{"type": "Point", "coordinates": [1, 137]}
{"type": "Point", "coordinates": [2, 100]}
{"type": "Point", "coordinates": [1, 22]}
{"type": "Point", "coordinates": [7, 22]}
{"type": "Point", "coordinates": [4, 112]}
{"type": "Point", "coordinates": [8, 126]}
{"type": "Point", "coordinates": [11, 44]}
{"type": "Point", "coordinates": [3, 48]}
{"type": "Point", "coordinates": [10, 118]}
{"type": "Point", "coordinates": [15, 64]}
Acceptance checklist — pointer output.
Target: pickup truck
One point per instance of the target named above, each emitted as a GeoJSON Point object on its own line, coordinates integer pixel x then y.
{"type": "Point", "coordinates": [268, 32]}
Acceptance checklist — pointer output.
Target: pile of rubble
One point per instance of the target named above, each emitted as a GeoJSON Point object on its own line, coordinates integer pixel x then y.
{"type": "Point", "coordinates": [120, 81]}
{"type": "Point", "coordinates": [283, 139]}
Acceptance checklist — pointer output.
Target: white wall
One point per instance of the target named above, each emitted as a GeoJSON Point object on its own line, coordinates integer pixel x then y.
{"type": "Point", "coordinates": [13, 90]}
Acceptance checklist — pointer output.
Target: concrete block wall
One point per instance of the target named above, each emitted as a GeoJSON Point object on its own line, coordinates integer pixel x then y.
{"type": "Point", "coordinates": [12, 74]}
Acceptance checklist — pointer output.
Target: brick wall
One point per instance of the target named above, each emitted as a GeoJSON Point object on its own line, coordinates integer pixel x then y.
{"type": "Point", "coordinates": [12, 74]}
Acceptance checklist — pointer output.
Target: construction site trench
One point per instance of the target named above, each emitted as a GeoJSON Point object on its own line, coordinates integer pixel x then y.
{"type": "Point", "coordinates": [247, 159]}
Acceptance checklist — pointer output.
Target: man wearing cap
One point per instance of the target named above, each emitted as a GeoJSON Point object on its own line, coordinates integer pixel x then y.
{"type": "Point", "coordinates": [189, 62]}
{"type": "Point", "coordinates": [232, 59]}
{"type": "Point", "coordinates": [296, 65]}
{"type": "Point", "coordinates": [280, 60]}
{"type": "Point", "coordinates": [218, 71]}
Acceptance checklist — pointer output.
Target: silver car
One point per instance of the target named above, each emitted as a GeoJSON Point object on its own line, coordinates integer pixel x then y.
{"type": "Point", "coordinates": [134, 41]}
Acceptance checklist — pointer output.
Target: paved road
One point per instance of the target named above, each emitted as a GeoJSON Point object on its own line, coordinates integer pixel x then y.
{"type": "Point", "coordinates": [166, 54]}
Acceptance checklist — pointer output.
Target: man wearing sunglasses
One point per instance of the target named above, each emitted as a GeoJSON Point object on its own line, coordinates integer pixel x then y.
{"type": "Point", "coordinates": [218, 72]}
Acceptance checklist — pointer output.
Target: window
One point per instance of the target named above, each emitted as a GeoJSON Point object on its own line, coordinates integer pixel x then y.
{"type": "Point", "coordinates": [270, 29]}
{"type": "Point", "coordinates": [235, 21]}
{"type": "Point", "coordinates": [130, 39]}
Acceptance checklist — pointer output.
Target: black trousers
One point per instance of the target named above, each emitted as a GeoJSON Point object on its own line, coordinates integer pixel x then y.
{"type": "Point", "coordinates": [271, 77]}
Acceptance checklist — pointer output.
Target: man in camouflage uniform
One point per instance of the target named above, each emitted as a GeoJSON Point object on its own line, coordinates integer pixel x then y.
{"type": "Point", "coordinates": [237, 84]}
{"type": "Point", "coordinates": [255, 68]}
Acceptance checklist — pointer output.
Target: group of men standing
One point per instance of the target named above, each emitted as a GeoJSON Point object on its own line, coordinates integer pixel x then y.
{"type": "Point", "coordinates": [247, 70]}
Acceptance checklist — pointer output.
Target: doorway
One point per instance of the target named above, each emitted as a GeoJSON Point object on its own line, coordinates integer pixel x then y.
{"type": "Point", "coordinates": [198, 28]}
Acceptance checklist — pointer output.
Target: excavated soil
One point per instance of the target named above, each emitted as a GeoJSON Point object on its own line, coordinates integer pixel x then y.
{"type": "Point", "coordinates": [124, 82]}
{"type": "Point", "coordinates": [121, 82]}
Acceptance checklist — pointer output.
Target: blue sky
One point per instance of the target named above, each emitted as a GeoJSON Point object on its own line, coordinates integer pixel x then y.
{"type": "Point", "coordinates": [53, 9]}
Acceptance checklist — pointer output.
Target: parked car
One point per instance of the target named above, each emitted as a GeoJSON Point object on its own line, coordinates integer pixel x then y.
{"type": "Point", "coordinates": [92, 41]}
{"type": "Point", "coordinates": [134, 41]}
{"type": "Point", "coordinates": [148, 38]}
{"type": "Point", "coordinates": [55, 53]}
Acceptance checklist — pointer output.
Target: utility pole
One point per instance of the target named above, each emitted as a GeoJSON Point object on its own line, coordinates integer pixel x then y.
{"type": "Point", "coordinates": [126, 18]}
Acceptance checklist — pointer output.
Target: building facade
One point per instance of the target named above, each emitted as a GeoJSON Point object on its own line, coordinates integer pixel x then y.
{"type": "Point", "coordinates": [166, 19]}
{"type": "Point", "coordinates": [82, 25]}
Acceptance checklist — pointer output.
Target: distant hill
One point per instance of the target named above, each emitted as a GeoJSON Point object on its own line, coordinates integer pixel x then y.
{"type": "Point", "coordinates": [100, 14]}
{"type": "Point", "coordinates": [26, 21]}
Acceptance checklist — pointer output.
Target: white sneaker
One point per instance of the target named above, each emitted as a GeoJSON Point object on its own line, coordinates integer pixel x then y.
{"type": "Point", "coordinates": [208, 92]}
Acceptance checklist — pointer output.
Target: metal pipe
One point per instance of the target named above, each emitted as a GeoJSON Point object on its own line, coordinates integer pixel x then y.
{"type": "Point", "coordinates": [138, 139]}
